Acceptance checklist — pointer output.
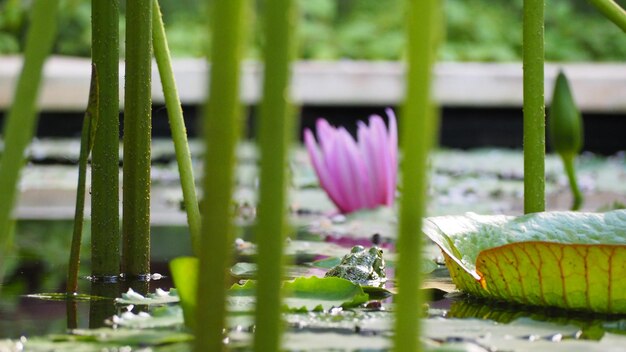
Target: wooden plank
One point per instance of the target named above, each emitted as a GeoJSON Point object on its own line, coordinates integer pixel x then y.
{"type": "Point", "coordinates": [597, 87]}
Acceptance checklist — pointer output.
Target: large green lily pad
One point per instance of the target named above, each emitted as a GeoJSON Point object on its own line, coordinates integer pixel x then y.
{"type": "Point", "coordinates": [569, 260]}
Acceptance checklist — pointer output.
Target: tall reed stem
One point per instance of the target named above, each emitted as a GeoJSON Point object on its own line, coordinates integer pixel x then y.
{"type": "Point", "coordinates": [177, 124]}
{"type": "Point", "coordinates": [221, 132]}
{"type": "Point", "coordinates": [611, 10]}
{"type": "Point", "coordinates": [137, 130]}
{"type": "Point", "coordinates": [275, 128]}
{"type": "Point", "coordinates": [418, 126]}
{"type": "Point", "coordinates": [105, 201]}
{"type": "Point", "coordinates": [22, 117]}
{"type": "Point", "coordinates": [90, 125]}
{"type": "Point", "coordinates": [534, 107]}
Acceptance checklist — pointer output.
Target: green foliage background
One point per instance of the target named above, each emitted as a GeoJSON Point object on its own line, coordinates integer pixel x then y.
{"type": "Point", "coordinates": [476, 30]}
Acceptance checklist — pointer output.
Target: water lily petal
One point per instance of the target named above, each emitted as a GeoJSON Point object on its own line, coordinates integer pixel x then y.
{"type": "Point", "coordinates": [317, 159]}
{"type": "Point", "coordinates": [367, 146]}
{"type": "Point", "coordinates": [379, 133]}
{"type": "Point", "coordinates": [353, 170]}
{"type": "Point", "coordinates": [358, 173]}
{"type": "Point", "coordinates": [333, 163]}
{"type": "Point", "coordinates": [393, 149]}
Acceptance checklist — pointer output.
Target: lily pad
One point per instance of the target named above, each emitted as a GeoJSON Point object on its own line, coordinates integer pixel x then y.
{"type": "Point", "coordinates": [55, 296]}
{"type": "Point", "coordinates": [569, 260]}
{"type": "Point", "coordinates": [159, 317]}
{"type": "Point", "coordinates": [301, 250]}
{"type": "Point", "coordinates": [159, 297]}
{"type": "Point", "coordinates": [304, 293]}
{"type": "Point", "coordinates": [247, 271]}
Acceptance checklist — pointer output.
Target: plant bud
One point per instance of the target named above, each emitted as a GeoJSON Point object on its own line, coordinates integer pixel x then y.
{"type": "Point", "coordinates": [565, 123]}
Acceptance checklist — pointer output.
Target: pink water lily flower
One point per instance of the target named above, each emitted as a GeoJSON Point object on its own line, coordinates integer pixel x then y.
{"type": "Point", "coordinates": [357, 174]}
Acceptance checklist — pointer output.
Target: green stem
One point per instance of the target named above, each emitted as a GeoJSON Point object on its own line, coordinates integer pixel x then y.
{"type": "Point", "coordinates": [221, 132]}
{"type": "Point", "coordinates": [72, 277]}
{"type": "Point", "coordinates": [534, 108]}
{"type": "Point", "coordinates": [22, 117]}
{"type": "Point", "coordinates": [105, 220]}
{"type": "Point", "coordinates": [137, 129]}
{"type": "Point", "coordinates": [568, 163]}
{"type": "Point", "coordinates": [90, 123]}
{"type": "Point", "coordinates": [274, 138]}
{"type": "Point", "coordinates": [177, 124]}
{"type": "Point", "coordinates": [611, 10]}
{"type": "Point", "coordinates": [418, 126]}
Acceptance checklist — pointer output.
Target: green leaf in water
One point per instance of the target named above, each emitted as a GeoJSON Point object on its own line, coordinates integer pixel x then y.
{"type": "Point", "coordinates": [170, 316]}
{"type": "Point", "coordinates": [569, 260]}
{"type": "Point", "coordinates": [159, 297]}
{"type": "Point", "coordinates": [326, 263]}
{"type": "Point", "coordinates": [247, 271]}
{"type": "Point", "coordinates": [55, 296]}
{"type": "Point", "coordinates": [305, 293]}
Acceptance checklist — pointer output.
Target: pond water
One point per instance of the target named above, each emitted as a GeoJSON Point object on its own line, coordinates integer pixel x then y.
{"type": "Point", "coordinates": [453, 320]}
{"type": "Point", "coordinates": [40, 268]}
{"type": "Point", "coordinates": [485, 181]}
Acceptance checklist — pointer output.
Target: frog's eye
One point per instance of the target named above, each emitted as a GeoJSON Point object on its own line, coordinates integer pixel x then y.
{"type": "Point", "coordinates": [357, 249]}
{"type": "Point", "coordinates": [375, 251]}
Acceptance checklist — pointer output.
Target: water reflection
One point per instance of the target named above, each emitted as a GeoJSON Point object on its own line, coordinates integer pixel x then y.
{"type": "Point", "coordinates": [39, 265]}
{"type": "Point", "coordinates": [592, 326]}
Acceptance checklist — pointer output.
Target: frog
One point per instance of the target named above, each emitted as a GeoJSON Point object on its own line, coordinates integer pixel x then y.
{"type": "Point", "coordinates": [365, 267]}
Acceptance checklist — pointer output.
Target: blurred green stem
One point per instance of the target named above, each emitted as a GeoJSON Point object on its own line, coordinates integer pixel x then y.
{"type": "Point", "coordinates": [177, 125]}
{"type": "Point", "coordinates": [90, 124]}
{"type": "Point", "coordinates": [275, 127]}
{"type": "Point", "coordinates": [22, 117]}
{"type": "Point", "coordinates": [105, 180]}
{"type": "Point", "coordinates": [221, 131]}
{"type": "Point", "coordinates": [534, 107]}
{"type": "Point", "coordinates": [569, 161]}
{"type": "Point", "coordinates": [137, 130]}
{"type": "Point", "coordinates": [418, 126]}
{"type": "Point", "coordinates": [611, 10]}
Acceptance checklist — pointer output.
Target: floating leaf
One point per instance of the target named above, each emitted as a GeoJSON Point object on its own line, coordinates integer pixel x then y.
{"type": "Point", "coordinates": [563, 259]}
{"type": "Point", "coordinates": [359, 224]}
{"type": "Point", "coordinates": [248, 271]}
{"type": "Point", "coordinates": [125, 336]}
{"type": "Point", "coordinates": [300, 249]}
{"type": "Point", "coordinates": [305, 294]}
{"type": "Point", "coordinates": [326, 263]}
{"type": "Point", "coordinates": [159, 317]}
{"type": "Point", "coordinates": [52, 296]}
{"type": "Point", "coordinates": [159, 297]}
